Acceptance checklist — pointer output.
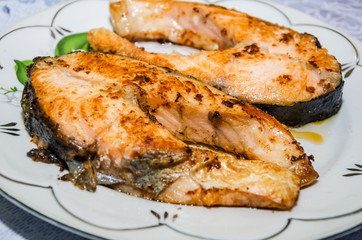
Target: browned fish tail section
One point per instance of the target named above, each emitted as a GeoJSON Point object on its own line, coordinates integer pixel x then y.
{"type": "Point", "coordinates": [214, 180]}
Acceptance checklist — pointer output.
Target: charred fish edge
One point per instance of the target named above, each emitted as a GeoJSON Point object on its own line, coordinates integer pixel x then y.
{"type": "Point", "coordinates": [38, 125]}
{"type": "Point", "coordinates": [301, 113]}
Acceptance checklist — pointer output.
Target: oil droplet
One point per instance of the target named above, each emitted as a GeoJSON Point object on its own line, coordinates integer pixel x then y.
{"type": "Point", "coordinates": [308, 136]}
{"type": "Point", "coordinates": [320, 122]}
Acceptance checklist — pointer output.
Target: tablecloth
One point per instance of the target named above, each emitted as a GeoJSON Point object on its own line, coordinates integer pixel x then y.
{"type": "Point", "coordinates": [17, 224]}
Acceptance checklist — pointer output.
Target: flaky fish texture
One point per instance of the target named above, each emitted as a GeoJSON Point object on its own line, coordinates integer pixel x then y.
{"type": "Point", "coordinates": [246, 57]}
{"type": "Point", "coordinates": [129, 125]}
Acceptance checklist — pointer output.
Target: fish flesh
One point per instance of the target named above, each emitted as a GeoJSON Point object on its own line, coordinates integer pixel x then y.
{"type": "Point", "coordinates": [154, 133]}
{"type": "Point", "coordinates": [273, 67]}
{"type": "Point", "coordinates": [195, 112]}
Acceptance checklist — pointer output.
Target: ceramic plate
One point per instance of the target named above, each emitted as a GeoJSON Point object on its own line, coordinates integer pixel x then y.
{"type": "Point", "coordinates": [329, 207]}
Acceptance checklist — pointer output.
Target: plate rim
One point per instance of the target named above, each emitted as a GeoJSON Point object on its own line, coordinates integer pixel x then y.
{"type": "Point", "coordinates": [58, 7]}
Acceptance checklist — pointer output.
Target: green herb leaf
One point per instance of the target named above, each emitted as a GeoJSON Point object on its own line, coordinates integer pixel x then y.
{"type": "Point", "coordinates": [72, 43]}
{"type": "Point", "coordinates": [20, 69]}
{"type": "Point", "coordinates": [8, 90]}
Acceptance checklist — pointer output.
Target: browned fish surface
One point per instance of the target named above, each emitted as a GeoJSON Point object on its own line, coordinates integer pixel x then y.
{"type": "Point", "coordinates": [103, 115]}
{"type": "Point", "coordinates": [247, 57]}
{"type": "Point", "coordinates": [193, 111]}
{"type": "Point", "coordinates": [245, 71]}
{"type": "Point", "coordinates": [223, 180]}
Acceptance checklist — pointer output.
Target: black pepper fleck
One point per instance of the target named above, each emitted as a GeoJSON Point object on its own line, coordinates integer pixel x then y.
{"type": "Point", "coordinates": [228, 104]}
{"type": "Point", "coordinates": [178, 97]}
{"type": "Point", "coordinates": [199, 97]}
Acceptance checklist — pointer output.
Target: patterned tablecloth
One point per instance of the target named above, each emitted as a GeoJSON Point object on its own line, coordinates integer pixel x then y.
{"type": "Point", "coordinates": [15, 223]}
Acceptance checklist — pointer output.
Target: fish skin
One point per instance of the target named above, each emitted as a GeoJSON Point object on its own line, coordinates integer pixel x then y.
{"type": "Point", "coordinates": [92, 103]}
{"type": "Point", "coordinates": [246, 57]}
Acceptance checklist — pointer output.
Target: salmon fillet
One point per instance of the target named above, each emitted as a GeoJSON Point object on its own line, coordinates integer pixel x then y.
{"type": "Point", "coordinates": [246, 57]}
{"type": "Point", "coordinates": [95, 113]}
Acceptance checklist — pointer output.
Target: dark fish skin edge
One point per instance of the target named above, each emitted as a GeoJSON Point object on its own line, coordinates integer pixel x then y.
{"type": "Point", "coordinates": [302, 113]}
{"type": "Point", "coordinates": [38, 124]}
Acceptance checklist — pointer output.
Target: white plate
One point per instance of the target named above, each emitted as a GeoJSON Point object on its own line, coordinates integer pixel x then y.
{"type": "Point", "coordinates": [329, 207]}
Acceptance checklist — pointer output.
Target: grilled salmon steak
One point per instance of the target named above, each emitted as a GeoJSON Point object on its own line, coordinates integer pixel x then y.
{"type": "Point", "coordinates": [137, 128]}
{"type": "Point", "coordinates": [282, 71]}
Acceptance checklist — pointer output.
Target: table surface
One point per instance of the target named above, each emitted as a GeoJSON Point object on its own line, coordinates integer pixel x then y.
{"type": "Point", "coordinates": [16, 223]}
